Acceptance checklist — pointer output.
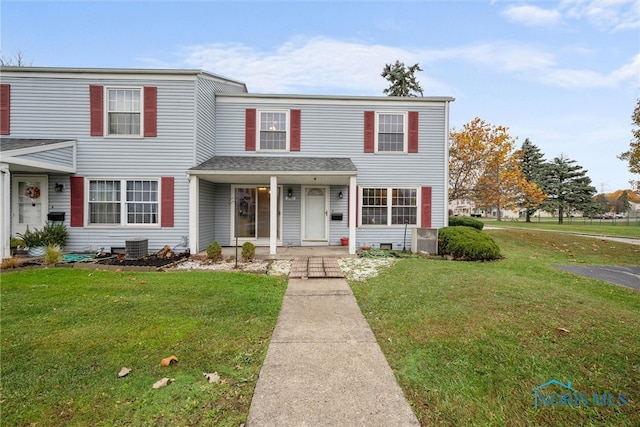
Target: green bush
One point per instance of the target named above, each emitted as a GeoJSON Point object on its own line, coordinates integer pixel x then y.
{"type": "Point", "coordinates": [467, 243]}
{"type": "Point", "coordinates": [51, 234]}
{"type": "Point", "coordinates": [214, 252]}
{"type": "Point", "coordinates": [465, 221]}
{"type": "Point", "coordinates": [248, 251]}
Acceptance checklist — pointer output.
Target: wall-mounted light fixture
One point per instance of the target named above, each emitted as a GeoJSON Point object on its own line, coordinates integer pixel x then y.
{"type": "Point", "coordinates": [289, 193]}
{"type": "Point", "coordinates": [340, 195]}
{"type": "Point", "coordinates": [58, 188]}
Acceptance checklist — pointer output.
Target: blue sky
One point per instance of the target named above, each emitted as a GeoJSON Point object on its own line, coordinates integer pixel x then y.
{"type": "Point", "coordinates": [565, 74]}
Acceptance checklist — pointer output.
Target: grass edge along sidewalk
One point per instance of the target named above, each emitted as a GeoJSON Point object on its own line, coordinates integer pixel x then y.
{"type": "Point", "coordinates": [66, 334]}
{"type": "Point", "coordinates": [469, 342]}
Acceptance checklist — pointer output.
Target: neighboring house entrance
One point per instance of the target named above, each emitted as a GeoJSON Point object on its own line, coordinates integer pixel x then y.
{"type": "Point", "coordinates": [315, 216]}
{"type": "Point", "coordinates": [29, 202]}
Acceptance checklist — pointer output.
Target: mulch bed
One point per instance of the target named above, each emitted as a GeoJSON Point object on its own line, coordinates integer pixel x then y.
{"type": "Point", "coordinates": [147, 261]}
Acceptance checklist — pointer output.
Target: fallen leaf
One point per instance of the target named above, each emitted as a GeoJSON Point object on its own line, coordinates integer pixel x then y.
{"type": "Point", "coordinates": [212, 378]}
{"type": "Point", "coordinates": [169, 361]}
{"type": "Point", "coordinates": [163, 382]}
{"type": "Point", "coordinates": [124, 372]}
{"type": "Point", "coordinates": [565, 330]}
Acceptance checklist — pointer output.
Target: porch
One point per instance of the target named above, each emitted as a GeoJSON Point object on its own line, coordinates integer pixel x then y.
{"type": "Point", "coordinates": [292, 252]}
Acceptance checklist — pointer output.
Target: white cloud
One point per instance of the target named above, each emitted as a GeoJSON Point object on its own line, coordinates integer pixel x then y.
{"type": "Point", "coordinates": [307, 65]}
{"type": "Point", "coordinates": [607, 15]}
{"type": "Point", "coordinates": [323, 65]}
{"type": "Point", "coordinates": [586, 78]}
{"type": "Point", "coordinates": [533, 16]}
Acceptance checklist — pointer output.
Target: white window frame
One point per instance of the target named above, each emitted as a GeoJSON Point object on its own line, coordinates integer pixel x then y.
{"type": "Point", "coordinates": [123, 203]}
{"type": "Point", "coordinates": [405, 125]}
{"type": "Point", "coordinates": [389, 205]}
{"type": "Point", "coordinates": [107, 133]}
{"type": "Point", "coordinates": [287, 127]}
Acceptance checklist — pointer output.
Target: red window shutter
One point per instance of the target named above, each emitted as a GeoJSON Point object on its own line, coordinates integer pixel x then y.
{"type": "Point", "coordinates": [426, 207]}
{"type": "Point", "coordinates": [96, 106]}
{"type": "Point", "coordinates": [250, 130]}
{"type": "Point", "coordinates": [412, 137]}
{"type": "Point", "coordinates": [77, 201]}
{"type": "Point", "coordinates": [166, 201]}
{"type": "Point", "coordinates": [150, 111]}
{"type": "Point", "coordinates": [294, 139]}
{"type": "Point", "coordinates": [5, 109]}
{"type": "Point", "coordinates": [369, 131]}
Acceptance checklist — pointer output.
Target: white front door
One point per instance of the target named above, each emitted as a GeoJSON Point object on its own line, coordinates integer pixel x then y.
{"type": "Point", "coordinates": [29, 202]}
{"type": "Point", "coordinates": [314, 215]}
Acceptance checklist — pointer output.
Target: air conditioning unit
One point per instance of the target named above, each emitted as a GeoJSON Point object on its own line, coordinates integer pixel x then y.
{"type": "Point", "coordinates": [424, 240]}
{"type": "Point", "coordinates": [136, 248]}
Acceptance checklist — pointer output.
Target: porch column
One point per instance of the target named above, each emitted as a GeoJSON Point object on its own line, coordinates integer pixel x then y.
{"type": "Point", "coordinates": [353, 214]}
{"type": "Point", "coordinates": [273, 213]}
{"type": "Point", "coordinates": [194, 191]}
{"type": "Point", "coordinates": [5, 204]}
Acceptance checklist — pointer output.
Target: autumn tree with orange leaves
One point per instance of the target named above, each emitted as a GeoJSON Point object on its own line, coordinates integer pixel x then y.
{"type": "Point", "coordinates": [485, 167]}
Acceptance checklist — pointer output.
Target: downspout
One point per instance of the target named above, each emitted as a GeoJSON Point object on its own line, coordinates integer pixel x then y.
{"type": "Point", "coordinates": [5, 210]}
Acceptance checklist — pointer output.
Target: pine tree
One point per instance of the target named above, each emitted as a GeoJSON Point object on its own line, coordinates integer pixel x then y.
{"type": "Point", "coordinates": [403, 80]}
{"type": "Point", "coordinates": [532, 166]}
{"type": "Point", "coordinates": [568, 187]}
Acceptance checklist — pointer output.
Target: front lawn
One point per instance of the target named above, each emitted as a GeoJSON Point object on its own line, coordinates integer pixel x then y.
{"type": "Point", "coordinates": [469, 342]}
{"type": "Point", "coordinates": [66, 334]}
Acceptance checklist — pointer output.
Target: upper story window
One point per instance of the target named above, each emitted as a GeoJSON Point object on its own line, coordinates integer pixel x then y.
{"type": "Point", "coordinates": [391, 135]}
{"type": "Point", "coordinates": [273, 130]}
{"type": "Point", "coordinates": [124, 111]}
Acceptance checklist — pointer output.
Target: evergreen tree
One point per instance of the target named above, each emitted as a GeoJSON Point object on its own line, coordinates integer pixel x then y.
{"type": "Point", "coordinates": [403, 80]}
{"type": "Point", "coordinates": [568, 187]}
{"type": "Point", "coordinates": [532, 166]}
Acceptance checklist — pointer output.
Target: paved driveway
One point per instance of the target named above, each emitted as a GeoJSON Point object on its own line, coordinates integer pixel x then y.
{"type": "Point", "coordinates": [622, 276]}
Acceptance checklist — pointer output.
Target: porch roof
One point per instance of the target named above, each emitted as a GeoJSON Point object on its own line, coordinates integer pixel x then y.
{"type": "Point", "coordinates": [290, 170]}
{"type": "Point", "coordinates": [39, 155]}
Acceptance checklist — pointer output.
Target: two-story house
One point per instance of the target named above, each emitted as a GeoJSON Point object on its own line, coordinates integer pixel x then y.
{"type": "Point", "coordinates": [188, 157]}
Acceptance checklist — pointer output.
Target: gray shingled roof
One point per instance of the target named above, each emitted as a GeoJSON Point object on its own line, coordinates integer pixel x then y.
{"type": "Point", "coordinates": [276, 164]}
{"type": "Point", "coordinates": [10, 144]}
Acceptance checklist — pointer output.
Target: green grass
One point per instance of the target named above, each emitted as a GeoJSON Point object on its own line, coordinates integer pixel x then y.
{"type": "Point", "coordinates": [469, 341]}
{"type": "Point", "coordinates": [617, 228]}
{"type": "Point", "coordinates": [66, 333]}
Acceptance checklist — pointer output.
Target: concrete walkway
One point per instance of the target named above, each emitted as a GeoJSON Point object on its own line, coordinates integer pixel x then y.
{"type": "Point", "coordinates": [324, 366]}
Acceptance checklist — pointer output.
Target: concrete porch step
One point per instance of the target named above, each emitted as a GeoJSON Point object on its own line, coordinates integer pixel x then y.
{"type": "Point", "coordinates": [315, 267]}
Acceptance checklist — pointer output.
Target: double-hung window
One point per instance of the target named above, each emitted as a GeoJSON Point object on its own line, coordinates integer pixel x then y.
{"type": "Point", "coordinates": [389, 206]}
{"type": "Point", "coordinates": [273, 131]}
{"type": "Point", "coordinates": [391, 135]}
{"type": "Point", "coordinates": [123, 202]}
{"type": "Point", "coordinates": [124, 111]}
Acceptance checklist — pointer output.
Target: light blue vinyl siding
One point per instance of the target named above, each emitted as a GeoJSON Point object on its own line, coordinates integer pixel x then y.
{"type": "Point", "coordinates": [336, 129]}
{"type": "Point", "coordinates": [58, 108]}
{"type": "Point", "coordinates": [60, 157]}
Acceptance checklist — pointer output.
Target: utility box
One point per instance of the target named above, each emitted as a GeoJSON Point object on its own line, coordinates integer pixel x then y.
{"type": "Point", "coordinates": [424, 240]}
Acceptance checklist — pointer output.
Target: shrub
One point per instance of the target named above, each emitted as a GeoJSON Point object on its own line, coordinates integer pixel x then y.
{"type": "Point", "coordinates": [52, 254]}
{"type": "Point", "coordinates": [12, 262]}
{"type": "Point", "coordinates": [467, 243]}
{"type": "Point", "coordinates": [214, 252]}
{"type": "Point", "coordinates": [465, 221]}
{"type": "Point", "coordinates": [248, 251]}
{"type": "Point", "coordinates": [51, 234]}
